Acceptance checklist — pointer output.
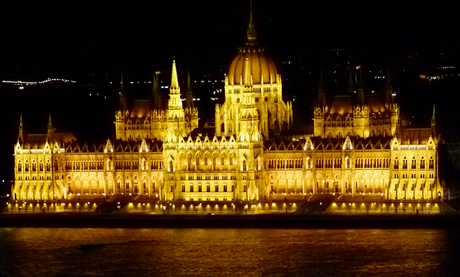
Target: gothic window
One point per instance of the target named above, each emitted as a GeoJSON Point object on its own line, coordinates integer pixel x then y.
{"type": "Point", "coordinates": [205, 160]}
{"type": "Point", "coordinates": [222, 127]}
{"type": "Point", "coordinates": [216, 188]}
{"type": "Point", "coordinates": [34, 166]}
{"type": "Point", "coordinates": [405, 163]}
{"type": "Point", "coordinates": [171, 166]}
{"type": "Point", "coordinates": [200, 189]}
{"type": "Point", "coordinates": [19, 165]}
{"type": "Point", "coordinates": [414, 163]}
{"type": "Point", "coordinates": [245, 188]}
{"type": "Point", "coordinates": [189, 163]}
{"type": "Point", "coordinates": [41, 165]}
{"type": "Point", "coordinates": [225, 188]}
{"type": "Point", "coordinates": [244, 165]}
{"type": "Point", "coordinates": [191, 188]}
{"type": "Point", "coordinates": [231, 160]}
{"type": "Point", "coordinates": [422, 163]}
{"type": "Point", "coordinates": [208, 188]}
{"type": "Point", "coordinates": [396, 163]}
{"type": "Point", "coordinates": [431, 164]}
{"type": "Point", "coordinates": [233, 188]}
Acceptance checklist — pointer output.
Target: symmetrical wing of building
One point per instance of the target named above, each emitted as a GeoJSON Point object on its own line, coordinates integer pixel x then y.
{"type": "Point", "coordinates": [359, 147]}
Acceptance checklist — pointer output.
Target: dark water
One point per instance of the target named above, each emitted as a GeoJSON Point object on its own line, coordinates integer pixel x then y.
{"type": "Point", "coordinates": [228, 252]}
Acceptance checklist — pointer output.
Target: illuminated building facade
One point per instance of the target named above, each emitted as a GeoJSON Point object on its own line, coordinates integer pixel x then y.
{"type": "Point", "coordinates": [359, 147]}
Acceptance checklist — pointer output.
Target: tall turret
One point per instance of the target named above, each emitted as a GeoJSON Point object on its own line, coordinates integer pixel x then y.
{"type": "Point", "coordinates": [189, 97]}
{"type": "Point", "coordinates": [156, 102]}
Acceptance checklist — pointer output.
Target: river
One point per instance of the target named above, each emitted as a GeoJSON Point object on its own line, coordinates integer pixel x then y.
{"type": "Point", "coordinates": [228, 252]}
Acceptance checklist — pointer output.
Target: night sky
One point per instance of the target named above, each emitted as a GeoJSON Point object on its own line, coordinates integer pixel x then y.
{"type": "Point", "coordinates": [77, 39]}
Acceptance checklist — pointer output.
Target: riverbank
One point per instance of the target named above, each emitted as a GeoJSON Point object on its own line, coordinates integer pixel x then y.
{"type": "Point", "coordinates": [287, 221]}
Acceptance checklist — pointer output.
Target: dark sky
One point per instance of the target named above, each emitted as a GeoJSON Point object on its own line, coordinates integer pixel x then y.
{"type": "Point", "coordinates": [75, 37]}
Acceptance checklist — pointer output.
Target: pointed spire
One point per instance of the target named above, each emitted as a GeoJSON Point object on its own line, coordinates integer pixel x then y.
{"type": "Point", "coordinates": [360, 87]}
{"type": "Point", "coordinates": [321, 93]}
{"type": "Point", "coordinates": [433, 122]}
{"type": "Point", "coordinates": [351, 83]}
{"type": "Point", "coordinates": [123, 103]}
{"type": "Point", "coordinates": [247, 71]}
{"type": "Point", "coordinates": [174, 81]}
{"type": "Point", "coordinates": [251, 33]}
{"type": "Point", "coordinates": [21, 130]}
{"type": "Point", "coordinates": [50, 136]}
{"type": "Point", "coordinates": [389, 90]}
{"type": "Point", "coordinates": [156, 93]}
{"type": "Point", "coordinates": [50, 123]}
{"type": "Point", "coordinates": [189, 97]}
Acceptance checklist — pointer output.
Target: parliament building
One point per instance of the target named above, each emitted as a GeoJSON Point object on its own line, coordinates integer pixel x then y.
{"type": "Point", "coordinates": [359, 147]}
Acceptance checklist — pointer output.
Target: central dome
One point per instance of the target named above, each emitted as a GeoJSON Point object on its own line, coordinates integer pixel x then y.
{"type": "Point", "coordinates": [251, 61]}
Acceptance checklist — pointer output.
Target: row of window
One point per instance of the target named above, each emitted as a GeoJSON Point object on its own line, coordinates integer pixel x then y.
{"type": "Point", "coordinates": [199, 188]}
{"type": "Point", "coordinates": [414, 176]}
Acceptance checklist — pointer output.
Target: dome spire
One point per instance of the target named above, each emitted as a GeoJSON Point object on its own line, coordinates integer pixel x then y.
{"type": "Point", "coordinates": [252, 33]}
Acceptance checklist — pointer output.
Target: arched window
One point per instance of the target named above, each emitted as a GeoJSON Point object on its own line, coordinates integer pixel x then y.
{"type": "Point", "coordinates": [431, 164]}
{"type": "Point", "coordinates": [206, 160]}
{"type": "Point", "coordinates": [216, 188]}
{"type": "Point", "coordinates": [200, 188]}
{"type": "Point", "coordinates": [208, 188]}
{"type": "Point", "coordinates": [191, 188]}
{"type": "Point", "coordinates": [171, 166]}
{"type": "Point", "coordinates": [413, 163]}
{"type": "Point", "coordinates": [231, 160]}
{"type": "Point", "coordinates": [225, 188]}
{"type": "Point", "coordinates": [34, 166]}
{"type": "Point", "coordinates": [405, 163]}
{"type": "Point", "coordinates": [222, 127]}
{"type": "Point", "coordinates": [396, 163]}
{"type": "Point", "coordinates": [244, 165]}
{"type": "Point", "coordinates": [183, 188]}
{"type": "Point", "coordinates": [41, 165]}
{"type": "Point", "coordinates": [19, 165]}
{"type": "Point", "coordinates": [422, 163]}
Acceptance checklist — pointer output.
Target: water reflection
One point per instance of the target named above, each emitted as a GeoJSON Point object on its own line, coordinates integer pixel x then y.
{"type": "Point", "coordinates": [227, 252]}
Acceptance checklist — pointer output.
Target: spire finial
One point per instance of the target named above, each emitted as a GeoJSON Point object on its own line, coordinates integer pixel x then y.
{"type": "Point", "coordinates": [389, 90]}
{"type": "Point", "coordinates": [189, 96]}
{"type": "Point", "coordinates": [123, 103]}
{"type": "Point", "coordinates": [21, 128]}
{"type": "Point", "coordinates": [252, 33]}
{"type": "Point", "coordinates": [174, 81]}
{"type": "Point", "coordinates": [351, 85]}
{"type": "Point", "coordinates": [50, 123]}
{"type": "Point", "coordinates": [321, 93]}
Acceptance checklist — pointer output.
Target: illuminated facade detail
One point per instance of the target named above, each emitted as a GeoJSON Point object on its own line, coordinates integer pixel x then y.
{"type": "Point", "coordinates": [253, 77]}
{"type": "Point", "coordinates": [359, 148]}
{"type": "Point", "coordinates": [149, 120]}
{"type": "Point", "coordinates": [361, 116]}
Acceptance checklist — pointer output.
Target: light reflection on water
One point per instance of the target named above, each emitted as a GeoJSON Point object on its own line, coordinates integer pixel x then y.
{"type": "Point", "coordinates": [227, 252]}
